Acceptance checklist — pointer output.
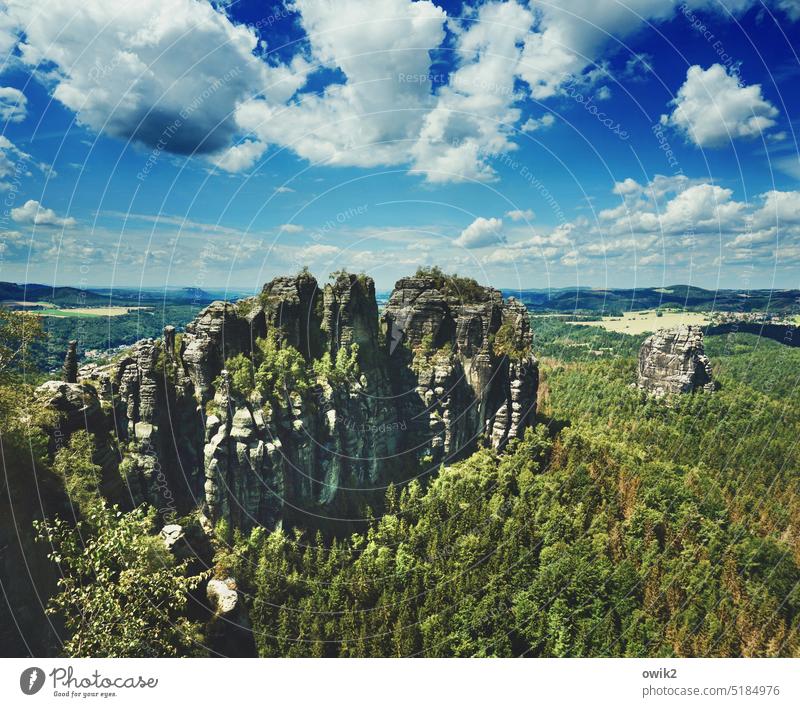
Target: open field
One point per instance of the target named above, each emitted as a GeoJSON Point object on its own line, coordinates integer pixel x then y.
{"type": "Point", "coordinates": [90, 311]}
{"type": "Point", "coordinates": [24, 304]}
{"type": "Point", "coordinates": [48, 309]}
{"type": "Point", "coordinates": [641, 322]}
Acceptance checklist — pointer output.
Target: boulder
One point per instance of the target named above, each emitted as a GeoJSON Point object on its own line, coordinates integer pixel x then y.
{"type": "Point", "coordinates": [171, 534]}
{"type": "Point", "coordinates": [77, 404]}
{"type": "Point", "coordinates": [223, 595]}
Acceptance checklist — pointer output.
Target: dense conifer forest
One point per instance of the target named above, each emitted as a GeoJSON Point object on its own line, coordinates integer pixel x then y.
{"type": "Point", "coordinates": [622, 525]}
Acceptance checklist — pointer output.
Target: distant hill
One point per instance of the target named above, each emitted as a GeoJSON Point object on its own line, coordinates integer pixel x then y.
{"type": "Point", "coordinates": [565, 299]}
{"type": "Point", "coordinates": [683, 296]}
{"type": "Point", "coordinates": [62, 296]}
{"type": "Point", "coordinates": [101, 296]}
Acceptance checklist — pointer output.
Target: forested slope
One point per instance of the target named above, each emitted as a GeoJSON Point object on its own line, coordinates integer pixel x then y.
{"type": "Point", "coordinates": [623, 526]}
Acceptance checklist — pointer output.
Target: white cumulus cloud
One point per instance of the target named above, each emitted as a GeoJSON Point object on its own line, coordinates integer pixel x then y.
{"type": "Point", "coordinates": [239, 157]}
{"type": "Point", "coordinates": [531, 125]}
{"type": "Point", "coordinates": [383, 50]}
{"type": "Point", "coordinates": [475, 114]}
{"type": "Point", "coordinates": [13, 105]}
{"type": "Point", "coordinates": [154, 70]}
{"type": "Point", "coordinates": [713, 107]}
{"type": "Point", "coordinates": [481, 232]}
{"type": "Point", "coordinates": [183, 76]}
{"type": "Point", "coordinates": [33, 212]}
{"type": "Point", "coordinates": [521, 214]}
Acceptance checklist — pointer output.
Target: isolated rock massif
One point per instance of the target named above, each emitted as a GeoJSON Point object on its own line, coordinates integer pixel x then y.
{"type": "Point", "coordinates": [304, 400]}
{"type": "Point", "coordinates": [674, 361]}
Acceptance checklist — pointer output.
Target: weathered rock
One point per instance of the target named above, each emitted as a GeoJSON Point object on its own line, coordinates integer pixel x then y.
{"type": "Point", "coordinates": [293, 305]}
{"type": "Point", "coordinates": [217, 333]}
{"type": "Point", "coordinates": [71, 363]}
{"type": "Point", "coordinates": [428, 387]}
{"type": "Point", "coordinates": [223, 595]}
{"type": "Point", "coordinates": [169, 341]}
{"type": "Point", "coordinates": [171, 534]}
{"type": "Point", "coordinates": [674, 361]}
{"type": "Point", "coordinates": [78, 407]}
{"type": "Point", "coordinates": [77, 404]}
{"type": "Point", "coordinates": [455, 390]}
{"type": "Point", "coordinates": [229, 631]}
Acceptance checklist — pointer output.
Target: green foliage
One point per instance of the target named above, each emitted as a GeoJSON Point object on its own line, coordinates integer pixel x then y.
{"type": "Point", "coordinates": [242, 376]}
{"type": "Point", "coordinates": [245, 306]}
{"type": "Point", "coordinates": [362, 279]}
{"type": "Point", "coordinates": [423, 354]}
{"type": "Point", "coordinates": [465, 289]}
{"type": "Point", "coordinates": [121, 593]}
{"type": "Point", "coordinates": [555, 339]}
{"type": "Point", "coordinates": [339, 371]}
{"type": "Point", "coordinates": [81, 476]}
{"type": "Point", "coordinates": [18, 332]}
{"type": "Point", "coordinates": [508, 343]}
{"type": "Point", "coordinates": [630, 527]}
{"type": "Point", "coordinates": [641, 529]}
{"type": "Point", "coordinates": [587, 548]}
{"type": "Point", "coordinates": [282, 370]}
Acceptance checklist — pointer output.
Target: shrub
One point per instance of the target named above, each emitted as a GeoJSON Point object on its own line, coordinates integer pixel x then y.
{"type": "Point", "coordinates": [121, 592]}
{"type": "Point", "coordinates": [508, 342]}
{"type": "Point", "coordinates": [465, 289]}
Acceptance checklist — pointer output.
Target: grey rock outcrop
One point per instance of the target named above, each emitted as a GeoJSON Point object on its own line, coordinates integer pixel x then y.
{"type": "Point", "coordinates": [229, 631]}
{"type": "Point", "coordinates": [171, 534]}
{"type": "Point", "coordinates": [376, 397]}
{"type": "Point", "coordinates": [674, 361]}
{"type": "Point", "coordinates": [223, 595]}
{"type": "Point", "coordinates": [79, 407]}
{"type": "Point", "coordinates": [71, 363]}
{"type": "Point", "coordinates": [77, 404]}
{"type": "Point", "coordinates": [456, 389]}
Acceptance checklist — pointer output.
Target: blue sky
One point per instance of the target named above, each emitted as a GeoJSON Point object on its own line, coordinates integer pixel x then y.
{"type": "Point", "coordinates": [602, 143]}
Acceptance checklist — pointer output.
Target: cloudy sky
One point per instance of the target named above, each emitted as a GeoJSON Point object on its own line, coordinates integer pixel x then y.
{"type": "Point", "coordinates": [528, 144]}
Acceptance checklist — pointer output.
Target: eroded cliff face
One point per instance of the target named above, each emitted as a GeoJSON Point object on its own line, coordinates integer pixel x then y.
{"type": "Point", "coordinates": [674, 361]}
{"type": "Point", "coordinates": [454, 389]}
{"type": "Point", "coordinates": [302, 401]}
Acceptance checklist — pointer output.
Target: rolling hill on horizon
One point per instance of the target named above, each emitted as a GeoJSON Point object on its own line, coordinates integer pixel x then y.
{"type": "Point", "coordinates": [563, 299]}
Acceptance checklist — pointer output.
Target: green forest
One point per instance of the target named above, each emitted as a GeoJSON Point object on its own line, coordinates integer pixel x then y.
{"type": "Point", "coordinates": [101, 333]}
{"type": "Point", "coordinates": [622, 525]}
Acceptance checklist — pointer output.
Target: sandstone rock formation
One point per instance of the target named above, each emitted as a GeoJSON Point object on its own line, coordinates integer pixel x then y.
{"type": "Point", "coordinates": [78, 407]}
{"type": "Point", "coordinates": [229, 632]}
{"type": "Point", "coordinates": [674, 361]}
{"type": "Point", "coordinates": [222, 594]}
{"type": "Point", "coordinates": [453, 381]}
{"type": "Point", "coordinates": [71, 363]}
{"type": "Point", "coordinates": [332, 404]}
{"type": "Point", "coordinates": [171, 534]}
